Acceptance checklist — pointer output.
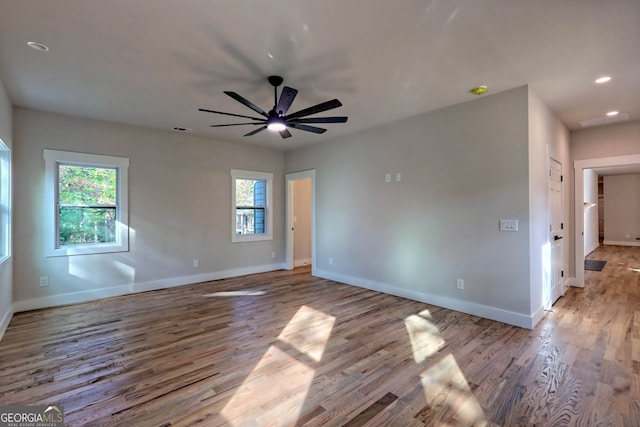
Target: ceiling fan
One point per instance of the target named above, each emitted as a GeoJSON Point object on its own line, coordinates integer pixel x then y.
{"type": "Point", "coordinates": [277, 119]}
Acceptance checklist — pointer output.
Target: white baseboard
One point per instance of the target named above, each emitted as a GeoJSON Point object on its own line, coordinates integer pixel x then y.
{"type": "Point", "coordinates": [588, 251]}
{"type": "Point", "coordinates": [569, 281]}
{"type": "Point", "coordinates": [485, 311]}
{"type": "Point", "coordinates": [93, 294]}
{"type": "Point", "coordinates": [4, 322]}
{"type": "Point", "coordinates": [622, 243]}
{"type": "Point", "coordinates": [301, 262]}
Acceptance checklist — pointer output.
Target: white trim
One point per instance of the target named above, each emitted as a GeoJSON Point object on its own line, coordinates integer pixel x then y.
{"type": "Point", "coordinates": [568, 282]}
{"type": "Point", "coordinates": [301, 262]}
{"type": "Point", "coordinates": [262, 176]}
{"type": "Point", "coordinates": [121, 164]}
{"type": "Point", "coordinates": [290, 177]}
{"type": "Point", "coordinates": [6, 201]}
{"type": "Point", "coordinates": [485, 311]}
{"type": "Point", "coordinates": [89, 295]}
{"type": "Point", "coordinates": [621, 243]}
{"type": "Point", "coordinates": [578, 181]}
{"type": "Point", "coordinates": [6, 319]}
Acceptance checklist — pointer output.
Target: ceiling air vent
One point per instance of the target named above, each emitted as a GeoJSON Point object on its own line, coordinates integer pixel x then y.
{"type": "Point", "coordinates": [181, 129]}
{"type": "Point", "coordinates": [604, 120]}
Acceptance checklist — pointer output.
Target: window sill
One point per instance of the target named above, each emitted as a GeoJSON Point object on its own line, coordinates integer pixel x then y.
{"type": "Point", "coordinates": [87, 250]}
{"type": "Point", "coordinates": [241, 238]}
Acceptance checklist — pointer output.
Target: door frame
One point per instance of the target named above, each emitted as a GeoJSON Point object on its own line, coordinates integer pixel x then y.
{"type": "Point", "coordinates": [578, 167]}
{"type": "Point", "coordinates": [289, 244]}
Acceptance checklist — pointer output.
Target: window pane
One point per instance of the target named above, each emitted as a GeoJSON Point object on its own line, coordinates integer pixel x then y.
{"type": "Point", "coordinates": [250, 221]}
{"type": "Point", "coordinates": [250, 192]}
{"type": "Point", "coordinates": [82, 225]}
{"type": "Point", "coordinates": [84, 185]}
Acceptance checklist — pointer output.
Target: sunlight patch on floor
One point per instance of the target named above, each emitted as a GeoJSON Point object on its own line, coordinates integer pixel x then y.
{"type": "Point", "coordinates": [425, 336]}
{"type": "Point", "coordinates": [234, 293]}
{"type": "Point", "coordinates": [278, 386]}
{"type": "Point", "coordinates": [308, 332]}
{"type": "Point", "coordinates": [446, 388]}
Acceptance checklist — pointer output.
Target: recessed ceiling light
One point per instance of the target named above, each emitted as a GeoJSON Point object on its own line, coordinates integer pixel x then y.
{"type": "Point", "coordinates": [603, 79]}
{"type": "Point", "coordinates": [613, 113]}
{"type": "Point", "coordinates": [38, 46]}
{"type": "Point", "coordinates": [479, 90]}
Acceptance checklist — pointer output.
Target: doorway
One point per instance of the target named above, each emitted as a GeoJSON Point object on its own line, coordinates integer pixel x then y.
{"type": "Point", "coordinates": [300, 219]}
{"type": "Point", "coordinates": [630, 161]}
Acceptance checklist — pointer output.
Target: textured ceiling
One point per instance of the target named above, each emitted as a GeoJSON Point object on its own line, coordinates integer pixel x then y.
{"type": "Point", "coordinates": [153, 63]}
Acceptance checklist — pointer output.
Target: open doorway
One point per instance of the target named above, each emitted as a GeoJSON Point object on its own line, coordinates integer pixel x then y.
{"type": "Point", "coordinates": [601, 166]}
{"type": "Point", "coordinates": [300, 209]}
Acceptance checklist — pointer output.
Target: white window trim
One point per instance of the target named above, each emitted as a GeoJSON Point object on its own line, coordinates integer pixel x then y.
{"type": "Point", "coordinates": [5, 200]}
{"type": "Point", "coordinates": [265, 176]}
{"type": "Point", "coordinates": [52, 159]}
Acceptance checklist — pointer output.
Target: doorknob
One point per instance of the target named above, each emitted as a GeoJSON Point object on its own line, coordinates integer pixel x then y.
{"type": "Point", "coordinates": [557, 237]}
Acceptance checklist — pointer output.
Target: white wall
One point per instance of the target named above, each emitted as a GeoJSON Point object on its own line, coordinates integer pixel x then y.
{"type": "Point", "coordinates": [462, 169]}
{"type": "Point", "coordinates": [302, 214]}
{"type": "Point", "coordinates": [548, 138]}
{"type": "Point", "coordinates": [591, 237]}
{"type": "Point", "coordinates": [6, 282]}
{"type": "Point", "coordinates": [179, 210]}
{"type": "Point", "coordinates": [619, 139]}
{"type": "Point", "coordinates": [622, 209]}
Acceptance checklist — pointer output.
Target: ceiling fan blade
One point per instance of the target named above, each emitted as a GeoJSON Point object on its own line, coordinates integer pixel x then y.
{"type": "Point", "coordinates": [247, 103]}
{"type": "Point", "coordinates": [306, 128]}
{"type": "Point", "coordinates": [340, 119]}
{"type": "Point", "coordinates": [253, 132]}
{"type": "Point", "coordinates": [287, 96]}
{"type": "Point", "coordinates": [328, 105]}
{"type": "Point", "coordinates": [229, 114]}
{"type": "Point", "coordinates": [285, 133]}
{"type": "Point", "coordinates": [235, 124]}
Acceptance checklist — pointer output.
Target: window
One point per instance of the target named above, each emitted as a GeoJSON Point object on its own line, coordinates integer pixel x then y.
{"type": "Point", "coordinates": [5, 202]}
{"type": "Point", "coordinates": [251, 216]}
{"type": "Point", "coordinates": [86, 203]}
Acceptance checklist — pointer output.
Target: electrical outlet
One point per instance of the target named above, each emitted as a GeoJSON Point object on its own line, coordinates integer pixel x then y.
{"type": "Point", "coordinates": [273, 254]}
{"type": "Point", "coordinates": [387, 177]}
{"type": "Point", "coordinates": [330, 260]}
{"type": "Point", "coordinates": [44, 281]}
{"type": "Point", "coordinates": [460, 284]}
{"type": "Point", "coordinates": [196, 263]}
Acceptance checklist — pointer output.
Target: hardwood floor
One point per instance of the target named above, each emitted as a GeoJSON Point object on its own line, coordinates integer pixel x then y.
{"type": "Point", "coordinates": [284, 349]}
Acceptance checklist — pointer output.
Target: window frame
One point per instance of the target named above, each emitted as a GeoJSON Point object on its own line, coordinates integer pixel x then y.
{"type": "Point", "coordinates": [268, 217]}
{"type": "Point", "coordinates": [5, 202]}
{"type": "Point", "coordinates": [54, 158]}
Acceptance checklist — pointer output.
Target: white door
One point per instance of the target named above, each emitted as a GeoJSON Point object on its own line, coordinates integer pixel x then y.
{"type": "Point", "coordinates": [556, 232]}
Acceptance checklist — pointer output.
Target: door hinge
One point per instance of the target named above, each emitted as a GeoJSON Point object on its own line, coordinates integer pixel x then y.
{"type": "Point", "coordinates": [561, 178]}
{"type": "Point", "coordinates": [562, 273]}
{"type": "Point", "coordinates": [562, 226]}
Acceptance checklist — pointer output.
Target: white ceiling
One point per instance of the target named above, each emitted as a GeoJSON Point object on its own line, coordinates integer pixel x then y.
{"type": "Point", "coordinates": [153, 63]}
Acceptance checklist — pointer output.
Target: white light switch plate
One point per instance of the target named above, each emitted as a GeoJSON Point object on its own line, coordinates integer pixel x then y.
{"type": "Point", "coordinates": [508, 225]}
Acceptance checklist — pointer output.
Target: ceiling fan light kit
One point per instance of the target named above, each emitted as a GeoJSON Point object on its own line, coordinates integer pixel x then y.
{"type": "Point", "coordinates": [276, 119]}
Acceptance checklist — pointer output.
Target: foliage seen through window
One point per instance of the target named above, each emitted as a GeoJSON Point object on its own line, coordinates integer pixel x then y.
{"type": "Point", "coordinates": [87, 203]}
